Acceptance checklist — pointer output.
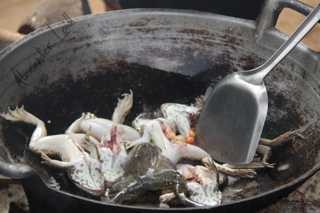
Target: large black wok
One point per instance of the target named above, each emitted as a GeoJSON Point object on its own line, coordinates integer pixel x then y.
{"type": "Point", "coordinates": [84, 64]}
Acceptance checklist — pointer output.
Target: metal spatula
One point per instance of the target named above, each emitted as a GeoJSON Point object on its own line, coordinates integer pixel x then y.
{"type": "Point", "coordinates": [234, 112]}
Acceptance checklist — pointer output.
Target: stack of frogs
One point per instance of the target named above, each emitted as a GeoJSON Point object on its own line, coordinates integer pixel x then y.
{"type": "Point", "coordinates": [154, 161]}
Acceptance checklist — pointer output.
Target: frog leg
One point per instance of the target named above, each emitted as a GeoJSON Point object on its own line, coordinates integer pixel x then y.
{"type": "Point", "coordinates": [285, 137]}
{"type": "Point", "coordinates": [56, 163]}
{"type": "Point", "coordinates": [144, 139]}
{"type": "Point", "coordinates": [157, 135]}
{"type": "Point", "coordinates": [75, 126]}
{"type": "Point", "coordinates": [281, 139]}
{"type": "Point", "coordinates": [130, 144]}
{"type": "Point", "coordinates": [237, 172]}
{"type": "Point", "coordinates": [86, 143]}
{"type": "Point", "coordinates": [152, 132]}
{"type": "Point", "coordinates": [188, 202]}
{"type": "Point", "coordinates": [265, 151]}
{"type": "Point", "coordinates": [199, 102]}
{"type": "Point", "coordinates": [123, 107]}
{"type": "Point", "coordinates": [21, 115]}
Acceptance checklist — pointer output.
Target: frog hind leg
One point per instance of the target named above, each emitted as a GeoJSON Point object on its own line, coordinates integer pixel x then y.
{"type": "Point", "coordinates": [19, 114]}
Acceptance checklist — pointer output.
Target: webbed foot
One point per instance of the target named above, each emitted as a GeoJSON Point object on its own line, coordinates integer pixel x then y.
{"type": "Point", "coordinates": [287, 136]}
{"type": "Point", "coordinates": [123, 107]}
{"type": "Point", "coordinates": [20, 114]}
{"type": "Point", "coordinates": [75, 126]}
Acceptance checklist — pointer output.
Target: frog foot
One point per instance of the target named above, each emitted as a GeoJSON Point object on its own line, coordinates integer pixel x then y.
{"type": "Point", "coordinates": [19, 114]}
{"type": "Point", "coordinates": [123, 107]}
{"type": "Point", "coordinates": [287, 136]}
{"type": "Point", "coordinates": [236, 172]}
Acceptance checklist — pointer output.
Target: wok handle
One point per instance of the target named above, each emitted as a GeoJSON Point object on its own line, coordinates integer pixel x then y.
{"type": "Point", "coordinates": [271, 11]}
{"type": "Point", "coordinates": [12, 170]}
{"type": "Point", "coordinates": [270, 14]}
{"type": "Point", "coordinates": [15, 170]}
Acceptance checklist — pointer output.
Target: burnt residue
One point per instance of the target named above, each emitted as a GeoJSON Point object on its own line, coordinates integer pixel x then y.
{"type": "Point", "coordinates": [193, 31]}
{"type": "Point", "coordinates": [141, 22]}
{"type": "Point", "coordinates": [221, 66]}
{"type": "Point", "coordinates": [231, 40]}
{"type": "Point", "coordinates": [248, 62]}
{"type": "Point", "coordinates": [143, 30]}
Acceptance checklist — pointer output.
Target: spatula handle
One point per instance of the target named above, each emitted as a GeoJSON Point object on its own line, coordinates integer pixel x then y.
{"type": "Point", "coordinates": [259, 73]}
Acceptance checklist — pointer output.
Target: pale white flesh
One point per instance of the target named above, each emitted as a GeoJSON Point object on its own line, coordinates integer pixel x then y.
{"type": "Point", "coordinates": [202, 184]}
{"type": "Point", "coordinates": [83, 170]}
{"type": "Point", "coordinates": [85, 148]}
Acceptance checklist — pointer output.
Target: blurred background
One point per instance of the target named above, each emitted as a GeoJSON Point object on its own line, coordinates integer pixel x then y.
{"type": "Point", "coordinates": [24, 16]}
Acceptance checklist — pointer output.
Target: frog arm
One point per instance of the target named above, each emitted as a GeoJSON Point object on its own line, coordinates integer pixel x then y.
{"type": "Point", "coordinates": [189, 151]}
{"type": "Point", "coordinates": [56, 163]}
{"type": "Point", "coordinates": [142, 140]}
{"type": "Point", "coordinates": [287, 136]}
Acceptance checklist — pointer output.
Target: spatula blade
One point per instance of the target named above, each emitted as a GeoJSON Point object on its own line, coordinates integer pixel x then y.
{"type": "Point", "coordinates": [232, 119]}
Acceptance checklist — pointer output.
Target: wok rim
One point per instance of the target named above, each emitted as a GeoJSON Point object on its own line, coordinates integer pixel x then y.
{"type": "Point", "coordinates": [300, 180]}
{"type": "Point", "coordinates": [173, 12]}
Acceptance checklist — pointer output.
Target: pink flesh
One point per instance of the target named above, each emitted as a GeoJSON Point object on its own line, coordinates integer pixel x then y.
{"type": "Point", "coordinates": [113, 144]}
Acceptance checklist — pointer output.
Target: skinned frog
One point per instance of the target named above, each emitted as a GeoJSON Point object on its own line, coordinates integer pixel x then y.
{"type": "Point", "coordinates": [83, 169]}
{"type": "Point", "coordinates": [111, 135]}
{"type": "Point", "coordinates": [175, 152]}
{"type": "Point", "coordinates": [101, 128]}
{"type": "Point", "coordinates": [153, 132]}
{"type": "Point", "coordinates": [105, 147]}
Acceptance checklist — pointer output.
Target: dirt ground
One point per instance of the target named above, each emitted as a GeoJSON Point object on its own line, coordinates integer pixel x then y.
{"type": "Point", "coordinates": [13, 12]}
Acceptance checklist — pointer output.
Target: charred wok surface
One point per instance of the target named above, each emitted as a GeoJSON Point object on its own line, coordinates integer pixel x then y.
{"type": "Point", "coordinates": [65, 100]}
